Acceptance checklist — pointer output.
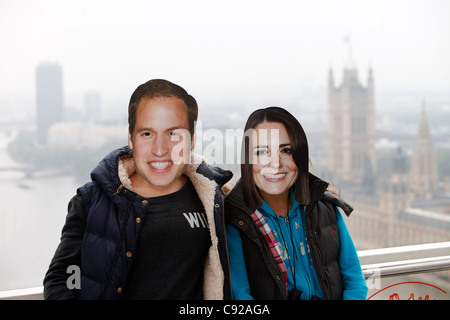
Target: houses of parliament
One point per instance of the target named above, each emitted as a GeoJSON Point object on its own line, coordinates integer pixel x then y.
{"type": "Point", "coordinates": [405, 208]}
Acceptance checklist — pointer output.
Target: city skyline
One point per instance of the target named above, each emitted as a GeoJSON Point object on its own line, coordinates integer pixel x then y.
{"type": "Point", "coordinates": [242, 51]}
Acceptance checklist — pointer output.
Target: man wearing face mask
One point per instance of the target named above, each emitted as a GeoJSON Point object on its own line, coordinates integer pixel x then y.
{"type": "Point", "coordinates": [150, 224]}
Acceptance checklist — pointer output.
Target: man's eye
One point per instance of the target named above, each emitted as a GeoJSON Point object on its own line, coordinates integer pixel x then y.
{"type": "Point", "coordinates": [261, 152]}
{"type": "Point", "coordinates": [146, 134]}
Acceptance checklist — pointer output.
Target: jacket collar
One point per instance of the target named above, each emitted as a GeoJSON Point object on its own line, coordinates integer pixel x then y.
{"type": "Point", "coordinates": [236, 198]}
{"type": "Point", "coordinates": [107, 171]}
{"type": "Point", "coordinates": [318, 190]}
{"type": "Point", "coordinates": [117, 167]}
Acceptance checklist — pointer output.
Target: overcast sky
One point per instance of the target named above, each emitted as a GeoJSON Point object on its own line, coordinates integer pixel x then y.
{"type": "Point", "coordinates": [220, 48]}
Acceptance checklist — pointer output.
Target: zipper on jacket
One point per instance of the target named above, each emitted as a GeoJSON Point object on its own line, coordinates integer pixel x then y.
{"type": "Point", "coordinates": [317, 249]}
{"type": "Point", "coordinates": [323, 272]}
{"type": "Point", "coordinates": [228, 277]}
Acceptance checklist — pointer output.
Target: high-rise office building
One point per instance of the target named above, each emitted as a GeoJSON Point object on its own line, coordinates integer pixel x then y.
{"type": "Point", "coordinates": [49, 98]}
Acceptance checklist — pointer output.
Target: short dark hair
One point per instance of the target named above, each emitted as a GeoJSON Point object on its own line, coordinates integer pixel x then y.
{"type": "Point", "coordinates": [299, 148]}
{"type": "Point", "coordinates": [158, 88]}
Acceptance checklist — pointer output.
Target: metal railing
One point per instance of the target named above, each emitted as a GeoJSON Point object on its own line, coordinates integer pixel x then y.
{"type": "Point", "coordinates": [407, 267]}
{"type": "Point", "coordinates": [406, 260]}
{"type": "Point", "coordinates": [23, 294]}
{"type": "Point", "coordinates": [387, 262]}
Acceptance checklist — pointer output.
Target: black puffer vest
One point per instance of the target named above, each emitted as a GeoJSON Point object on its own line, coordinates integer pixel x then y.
{"type": "Point", "coordinates": [265, 278]}
{"type": "Point", "coordinates": [112, 229]}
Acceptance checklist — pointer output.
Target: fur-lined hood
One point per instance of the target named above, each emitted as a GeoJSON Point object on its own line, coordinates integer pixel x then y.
{"type": "Point", "coordinates": [117, 168]}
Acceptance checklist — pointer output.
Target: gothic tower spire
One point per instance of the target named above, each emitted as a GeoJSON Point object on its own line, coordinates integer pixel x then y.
{"type": "Point", "coordinates": [423, 176]}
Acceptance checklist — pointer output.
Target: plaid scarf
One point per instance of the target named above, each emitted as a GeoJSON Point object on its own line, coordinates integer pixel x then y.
{"type": "Point", "coordinates": [264, 227]}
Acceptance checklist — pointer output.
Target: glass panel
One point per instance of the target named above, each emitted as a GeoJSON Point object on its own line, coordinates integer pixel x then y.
{"type": "Point", "coordinates": [425, 286]}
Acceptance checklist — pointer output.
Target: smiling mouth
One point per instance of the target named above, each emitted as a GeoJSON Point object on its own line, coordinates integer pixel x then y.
{"type": "Point", "coordinates": [160, 165]}
{"type": "Point", "coordinates": [274, 177]}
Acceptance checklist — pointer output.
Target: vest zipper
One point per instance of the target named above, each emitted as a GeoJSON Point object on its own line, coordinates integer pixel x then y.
{"type": "Point", "coordinates": [323, 272]}
{"type": "Point", "coordinates": [317, 249]}
{"type": "Point", "coordinates": [227, 277]}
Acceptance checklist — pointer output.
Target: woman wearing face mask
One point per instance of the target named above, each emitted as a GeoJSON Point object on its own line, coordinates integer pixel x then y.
{"type": "Point", "coordinates": [286, 236]}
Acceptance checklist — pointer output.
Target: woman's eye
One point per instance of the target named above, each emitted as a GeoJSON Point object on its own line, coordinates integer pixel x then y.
{"type": "Point", "coordinates": [286, 150]}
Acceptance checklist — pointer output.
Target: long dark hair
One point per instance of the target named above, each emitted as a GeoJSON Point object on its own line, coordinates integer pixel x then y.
{"type": "Point", "coordinates": [299, 148]}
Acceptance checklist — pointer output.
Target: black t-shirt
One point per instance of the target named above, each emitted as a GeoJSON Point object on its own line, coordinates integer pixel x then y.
{"type": "Point", "coordinates": [171, 249]}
